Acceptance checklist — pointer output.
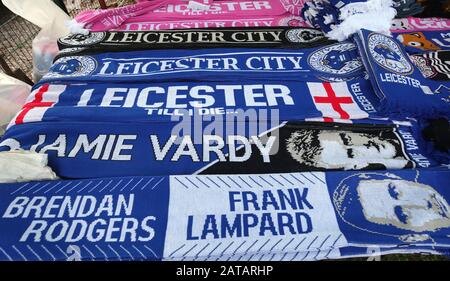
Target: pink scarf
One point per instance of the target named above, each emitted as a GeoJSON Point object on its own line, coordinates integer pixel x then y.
{"type": "Point", "coordinates": [171, 14]}
{"type": "Point", "coordinates": [418, 24]}
{"type": "Point", "coordinates": [102, 20]}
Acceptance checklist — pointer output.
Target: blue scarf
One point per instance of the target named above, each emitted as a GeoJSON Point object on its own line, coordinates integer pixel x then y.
{"type": "Point", "coordinates": [297, 216]}
{"type": "Point", "coordinates": [339, 60]}
{"type": "Point", "coordinates": [400, 86]}
{"type": "Point", "coordinates": [81, 149]}
{"type": "Point", "coordinates": [144, 102]}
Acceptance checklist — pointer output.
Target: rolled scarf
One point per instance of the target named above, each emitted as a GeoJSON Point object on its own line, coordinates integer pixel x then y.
{"type": "Point", "coordinates": [292, 216]}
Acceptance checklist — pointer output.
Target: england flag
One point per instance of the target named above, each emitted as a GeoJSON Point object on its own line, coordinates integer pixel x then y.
{"type": "Point", "coordinates": [39, 101]}
{"type": "Point", "coordinates": [335, 101]}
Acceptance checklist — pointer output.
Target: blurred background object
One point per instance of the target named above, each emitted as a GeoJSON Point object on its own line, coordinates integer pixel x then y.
{"type": "Point", "coordinates": [13, 94]}
{"type": "Point", "coordinates": [435, 8]}
{"type": "Point", "coordinates": [17, 34]}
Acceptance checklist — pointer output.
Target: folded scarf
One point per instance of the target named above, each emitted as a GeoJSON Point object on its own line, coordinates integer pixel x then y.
{"type": "Point", "coordinates": [169, 14]}
{"type": "Point", "coordinates": [87, 149]}
{"type": "Point", "coordinates": [402, 89]}
{"type": "Point", "coordinates": [339, 60]}
{"type": "Point", "coordinates": [146, 24]}
{"type": "Point", "coordinates": [144, 102]}
{"type": "Point", "coordinates": [297, 216]}
{"type": "Point", "coordinates": [278, 37]}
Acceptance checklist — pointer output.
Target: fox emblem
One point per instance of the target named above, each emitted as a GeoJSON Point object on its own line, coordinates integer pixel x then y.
{"type": "Point", "coordinates": [417, 40]}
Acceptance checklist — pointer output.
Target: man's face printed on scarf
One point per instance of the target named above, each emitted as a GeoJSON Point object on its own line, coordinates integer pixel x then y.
{"type": "Point", "coordinates": [343, 150]}
{"type": "Point", "coordinates": [403, 204]}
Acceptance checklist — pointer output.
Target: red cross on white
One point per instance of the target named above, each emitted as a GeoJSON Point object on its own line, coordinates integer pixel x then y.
{"type": "Point", "coordinates": [335, 101]}
{"type": "Point", "coordinates": [39, 101]}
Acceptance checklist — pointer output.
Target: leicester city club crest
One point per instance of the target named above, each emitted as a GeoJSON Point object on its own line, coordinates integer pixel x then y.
{"type": "Point", "coordinates": [72, 66]}
{"type": "Point", "coordinates": [303, 35]}
{"type": "Point", "coordinates": [83, 40]}
{"type": "Point", "coordinates": [388, 54]}
{"type": "Point", "coordinates": [336, 59]}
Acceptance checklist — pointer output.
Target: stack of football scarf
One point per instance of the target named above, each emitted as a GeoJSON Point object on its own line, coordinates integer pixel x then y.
{"type": "Point", "coordinates": [226, 149]}
{"type": "Point", "coordinates": [428, 45]}
{"type": "Point", "coordinates": [429, 51]}
{"type": "Point", "coordinates": [388, 93]}
{"type": "Point", "coordinates": [93, 117]}
{"type": "Point", "coordinates": [290, 216]}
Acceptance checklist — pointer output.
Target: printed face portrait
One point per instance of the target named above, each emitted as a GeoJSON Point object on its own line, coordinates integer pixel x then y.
{"type": "Point", "coordinates": [404, 204]}
{"type": "Point", "coordinates": [331, 149]}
